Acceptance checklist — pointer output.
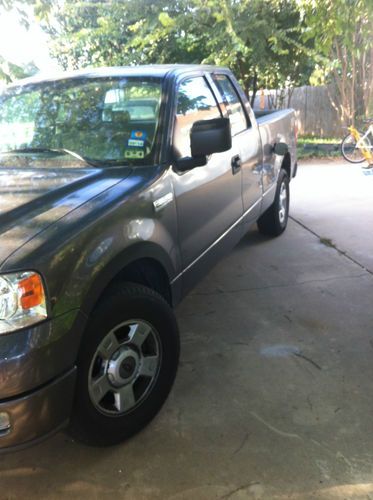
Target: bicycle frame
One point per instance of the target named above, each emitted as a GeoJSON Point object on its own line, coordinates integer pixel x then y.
{"type": "Point", "coordinates": [364, 146]}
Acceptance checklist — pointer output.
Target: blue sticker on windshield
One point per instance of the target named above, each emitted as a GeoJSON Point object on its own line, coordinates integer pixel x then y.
{"type": "Point", "coordinates": [138, 134]}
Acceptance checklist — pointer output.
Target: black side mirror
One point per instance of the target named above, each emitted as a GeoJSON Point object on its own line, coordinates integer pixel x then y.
{"type": "Point", "coordinates": [280, 148]}
{"type": "Point", "coordinates": [210, 136]}
{"type": "Point", "coordinates": [206, 137]}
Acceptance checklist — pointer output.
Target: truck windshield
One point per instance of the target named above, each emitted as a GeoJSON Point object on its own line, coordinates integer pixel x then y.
{"type": "Point", "coordinates": [103, 121]}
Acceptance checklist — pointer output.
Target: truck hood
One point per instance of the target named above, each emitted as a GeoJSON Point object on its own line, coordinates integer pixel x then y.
{"type": "Point", "coordinates": [33, 199]}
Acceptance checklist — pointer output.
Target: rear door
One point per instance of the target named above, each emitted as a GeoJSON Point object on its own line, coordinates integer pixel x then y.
{"type": "Point", "coordinates": [208, 198]}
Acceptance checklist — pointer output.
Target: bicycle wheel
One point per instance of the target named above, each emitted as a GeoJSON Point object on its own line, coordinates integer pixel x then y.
{"type": "Point", "coordinates": [349, 150]}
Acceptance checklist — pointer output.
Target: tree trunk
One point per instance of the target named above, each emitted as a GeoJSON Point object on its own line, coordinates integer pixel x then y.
{"type": "Point", "coordinates": [254, 89]}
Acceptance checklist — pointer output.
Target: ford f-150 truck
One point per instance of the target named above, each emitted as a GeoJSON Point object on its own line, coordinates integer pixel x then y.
{"type": "Point", "coordinates": [119, 189]}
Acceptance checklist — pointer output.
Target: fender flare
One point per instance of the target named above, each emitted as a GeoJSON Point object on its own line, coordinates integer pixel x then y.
{"type": "Point", "coordinates": [143, 250]}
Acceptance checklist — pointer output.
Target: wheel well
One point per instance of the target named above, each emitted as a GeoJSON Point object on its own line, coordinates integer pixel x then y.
{"type": "Point", "coordinates": [147, 272]}
{"type": "Point", "coordinates": [286, 164]}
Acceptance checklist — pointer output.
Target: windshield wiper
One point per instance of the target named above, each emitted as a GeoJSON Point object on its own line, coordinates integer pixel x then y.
{"type": "Point", "coordinates": [58, 151]}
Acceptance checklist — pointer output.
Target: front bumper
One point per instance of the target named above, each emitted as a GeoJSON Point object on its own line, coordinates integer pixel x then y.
{"type": "Point", "coordinates": [37, 414]}
{"type": "Point", "coordinates": [37, 378]}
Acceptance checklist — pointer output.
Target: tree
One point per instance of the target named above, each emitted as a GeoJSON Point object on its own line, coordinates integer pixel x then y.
{"type": "Point", "coordinates": [342, 32]}
{"type": "Point", "coordinates": [260, 40]}
{"type": "Point", "coordinates": [24, 7]}
{"type": "Point", "coordinates": [9, 71]}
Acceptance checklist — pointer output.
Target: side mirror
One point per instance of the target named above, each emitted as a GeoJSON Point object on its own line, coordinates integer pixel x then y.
{"type": "Point", "coordinates": [281, 148]}
{"type": "Point", "coordinates": [210, 136]}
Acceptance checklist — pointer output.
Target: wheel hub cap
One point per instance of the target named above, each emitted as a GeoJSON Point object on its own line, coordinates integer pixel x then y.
{"type": "Point", "coordinates": [123, 366]}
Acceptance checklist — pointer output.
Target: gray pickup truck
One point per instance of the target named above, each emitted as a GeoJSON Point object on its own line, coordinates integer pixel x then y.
{"type": "Point", "coordinates": [119, 189]}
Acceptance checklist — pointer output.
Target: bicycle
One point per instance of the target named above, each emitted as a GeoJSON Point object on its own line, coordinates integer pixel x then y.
{"type": "Point", "coordinates": [357, 147]}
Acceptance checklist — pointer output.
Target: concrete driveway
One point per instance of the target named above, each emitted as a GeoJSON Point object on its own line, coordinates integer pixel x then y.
{"type": "Point", "coordinates": [274, 396]}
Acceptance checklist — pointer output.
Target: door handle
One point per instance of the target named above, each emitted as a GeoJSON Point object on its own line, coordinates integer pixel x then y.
{"type": "Point", "coordinates": [236, 164]}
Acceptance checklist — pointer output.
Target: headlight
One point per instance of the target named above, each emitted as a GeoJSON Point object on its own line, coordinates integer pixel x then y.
{"type": "Point", "coordinates": [22, 300]}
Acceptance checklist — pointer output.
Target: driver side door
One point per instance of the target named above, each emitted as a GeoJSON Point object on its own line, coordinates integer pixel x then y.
{"type": "Point", "coordinates": [208, 198]}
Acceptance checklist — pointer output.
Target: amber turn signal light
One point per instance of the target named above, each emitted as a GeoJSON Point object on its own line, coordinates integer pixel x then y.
{"type": "Point", "coordinates": [31, 291]}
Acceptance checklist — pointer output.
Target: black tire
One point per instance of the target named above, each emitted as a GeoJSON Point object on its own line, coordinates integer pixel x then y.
{"type": "Point", "coordinates": [127, 308]}
{"type": "Point", "coordinates": [349, 150]}
{"type": "Point", "coordinates": [274, 220]}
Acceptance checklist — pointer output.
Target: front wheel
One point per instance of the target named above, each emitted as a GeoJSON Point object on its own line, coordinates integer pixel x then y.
{"type": "Point", "coordinates": [126, 365]}
{"type": "Point", "coordinates": [351, 151]}
{"type": "Point", "coordinates": [274, 220]}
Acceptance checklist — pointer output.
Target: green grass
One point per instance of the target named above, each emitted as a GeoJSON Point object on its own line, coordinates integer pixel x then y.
{"type": "Point", "coordinates": [311, 139]}
{"type": "Point", "coordinates": [305, 149]}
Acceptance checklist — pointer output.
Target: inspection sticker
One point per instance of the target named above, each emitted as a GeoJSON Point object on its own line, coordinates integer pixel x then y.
{"type": "Point", "coordinates": [135, 143]}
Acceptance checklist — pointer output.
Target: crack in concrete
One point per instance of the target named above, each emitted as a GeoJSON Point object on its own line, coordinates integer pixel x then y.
{"type": "Point", "coordinates": [309, 402]}
{"type": "Point", "coordinates": [302, 366]}
{"type": "Point", "coordinates": [243, 442]}
{"type": "Point", "coordinates": [332, 245]}
{"type": "Point", "coordinates": [274, 429]}
{"type": "Point", "coordinates": [240, 488]}
{"type": "Point", "coordinates": [311, 361]}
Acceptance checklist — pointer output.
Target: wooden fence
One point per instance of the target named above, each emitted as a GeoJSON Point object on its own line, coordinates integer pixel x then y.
{"type": "Point", "coordinates": [314, 111]}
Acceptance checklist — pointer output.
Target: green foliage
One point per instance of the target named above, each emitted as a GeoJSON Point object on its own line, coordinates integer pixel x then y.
{"type": "Point", "coordinates": [342, 34]}
{"type": "Point", "coordinates": [260, 40]}
{"type": "Point", "coordinates": [10, 71]}
{"type": "Point", "coordinates": [22, 8]}
{"type": "Point", "coordinates": [267, 43]}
